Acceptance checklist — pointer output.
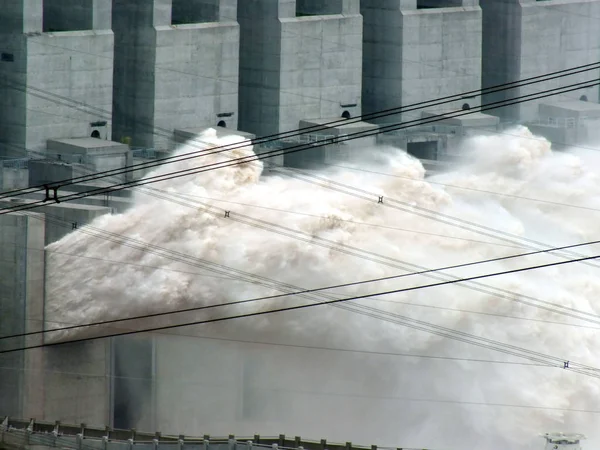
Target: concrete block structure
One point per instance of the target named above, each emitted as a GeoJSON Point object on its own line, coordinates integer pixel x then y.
{"type": "Point", "coordinates": [420, 50]}
{"type": "Point", "coordinates": [526, 38]}
{"type": "Point", "coordinates": [77, 382]}
{"type": "Point", "coordinates": [299, 60]}
{"type": "Point", "coordinates": [56, 66]}
{"type": "Point", "coordinates": [59, 383]}
{"type": "Point", "coordinates": [96, 154]}
{"type": "Point", "coordinates": [22, 311]}
{"type": "Point", "coordinates": [567, 122]}
{"type": "Point", "coordinates": [176, 66]}
{"type": "Point", "coordinates": [339, 146]}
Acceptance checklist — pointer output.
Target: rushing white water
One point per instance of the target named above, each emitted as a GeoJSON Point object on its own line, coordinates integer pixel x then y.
{"type": "Point", "coordinates": [363, 397]}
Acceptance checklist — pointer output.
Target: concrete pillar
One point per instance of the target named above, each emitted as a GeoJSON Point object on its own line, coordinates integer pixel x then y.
{"type": "Point", "coordinates": [351, 7]}
{"type": "Point", "coordinates": [228, 10]}
{"type": "Point", "coordinates": [161, 12]}
{"type": "Point", "coordinates": [21, 16]}
{"type": "Point", "coordinates": [22, 306]}
{"type": "Point", "coordinates": [285, 8]}
{"type": "Point", "coordinates": [102, 14]}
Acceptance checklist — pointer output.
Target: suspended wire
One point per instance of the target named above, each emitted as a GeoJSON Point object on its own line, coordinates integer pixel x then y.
{"type": "Point", "coordinates": [279, 136]}
{"type": "Point", "coordinates": [412, 323]}
{"type": "Point", "coordinates": [414, 209]}
{"type": "Point", "coordinates": [353, 311]}
{"type": "Point", "coordinates": [493, 293]}
{"type": "Point", "coordinates": [455, 186]}
{"type": "Point", "coordinates": [293, 149]}
{"type": "Point", "coordinates": [264, 155]}
{"type": "Point", "coordinates": [306, 291]}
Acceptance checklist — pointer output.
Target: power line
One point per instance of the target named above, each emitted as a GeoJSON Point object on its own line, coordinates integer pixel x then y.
{"type": "Point", "coordinates": [454, 186]}
{"type": "Point", "coordinates": [515, 300]}
{"type": "Point", "coordinates": [380, 311]}
{"type": "Point", "coordinates": [306, 291]}
{"type": "Point", "coordinates": [379, 114]}
{"type": "Point", "coordinates": [355, 222]}
{"type": "Point", "coordinates": [380, 259]}
{"type": "Point", "coordinates": [426, 271]}
{"type": "Point", "coordinates": [414, 209]}
{"type": "Point", "coordinates": [413, 323]}
{"type": "Point", "coordinates": [293, 149]}
{"type": "Point", "coordinates": [318, 347]}
{"type": "Point", "coordinates": [493, 294]}
{"type": "Point", "coordinates": [114, 261]}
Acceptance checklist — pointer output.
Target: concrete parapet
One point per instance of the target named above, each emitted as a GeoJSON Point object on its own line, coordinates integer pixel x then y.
{"type": "Point", "coordinates": [96, 154]}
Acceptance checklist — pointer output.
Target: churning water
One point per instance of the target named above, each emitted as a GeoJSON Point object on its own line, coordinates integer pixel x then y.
{"type": "Point", "coordinates": [294, 229]}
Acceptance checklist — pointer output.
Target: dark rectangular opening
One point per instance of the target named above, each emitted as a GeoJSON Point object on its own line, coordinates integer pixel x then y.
{"type": "Point", "coordinates": [318, 7]}
{"type": "Point", "coordinates": [132, 380]}
{"type": "Point", "coordinates": [428, 4]}
{"type": "Point", "coordinates": [194, 11]}
{"type": "Point", "coordinates": [68, 15]}
{"type": "Point", "coordinates": [423, 150]}
{"type": "Point", "coordinates": [8, 57]}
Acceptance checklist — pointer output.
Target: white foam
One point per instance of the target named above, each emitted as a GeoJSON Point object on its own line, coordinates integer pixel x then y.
{"type": "Point", "coordinates": [85, 290]}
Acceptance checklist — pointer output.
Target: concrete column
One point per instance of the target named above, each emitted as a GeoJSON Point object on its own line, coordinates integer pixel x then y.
{"type": "Point", "coordinates": [285, 8]}
{"type": "Point", "coordinates": [102, 14]}
{"type": "Point", "coordinates": [161, 12]}
{"type": "Point", "coordinates": [405, 5]}
{"type": "Point", "coordinates": [227, 10]}
{"type": "Point", "coordinates": [22, 304]}
{"type": "Point", "coordinates": [351, 7]}
{"type": "Point", "coordinates": [21, 16]}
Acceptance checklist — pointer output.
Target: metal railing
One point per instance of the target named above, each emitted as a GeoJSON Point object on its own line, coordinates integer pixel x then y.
{"type": "Point", "coordinates": [304, 139]}
{"type": "Point", "coordinates": [20, 434]}
{"type": "Point", "coordinates": [144, 153]}
{"type": "Point", "coordinates": [20, 163]}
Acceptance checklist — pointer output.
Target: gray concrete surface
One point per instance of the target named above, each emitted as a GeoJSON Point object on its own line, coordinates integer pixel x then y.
{"type": "Point", "coordinates": [413, 55]}
{"type": "Point", "coordinates": [13, 176]}
{"type": "Point", "coordinates": [22, 304]}
{"type": "Point", "coordinates": [297, 65]}
{"type": "Point", "coordinates": [77, 382]}
{"type": "Point", "coordinates": [98, 155]}
{"type": "Point", "coordinates": [340, 148]}
{"type": "Point", "coordinates": [68, 73]}
{"type": "Point", "coordinates": [525, 38]}
{"type": "Point", "coordinates": [171, 75]}
{"type": "Point", "coordinates": [566, 122]}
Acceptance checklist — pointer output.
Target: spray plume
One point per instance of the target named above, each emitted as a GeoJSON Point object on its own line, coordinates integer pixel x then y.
{"type": "Point", "coordinates": [219, 386]}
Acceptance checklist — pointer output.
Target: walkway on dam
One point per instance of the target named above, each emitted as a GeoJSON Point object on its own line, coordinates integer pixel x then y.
{"type": "Point", "coordinates": [17, 434]}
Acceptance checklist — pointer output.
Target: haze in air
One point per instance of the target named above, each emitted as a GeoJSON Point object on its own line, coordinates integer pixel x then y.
{"type": "Point", "coordinates": [336, 237]}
